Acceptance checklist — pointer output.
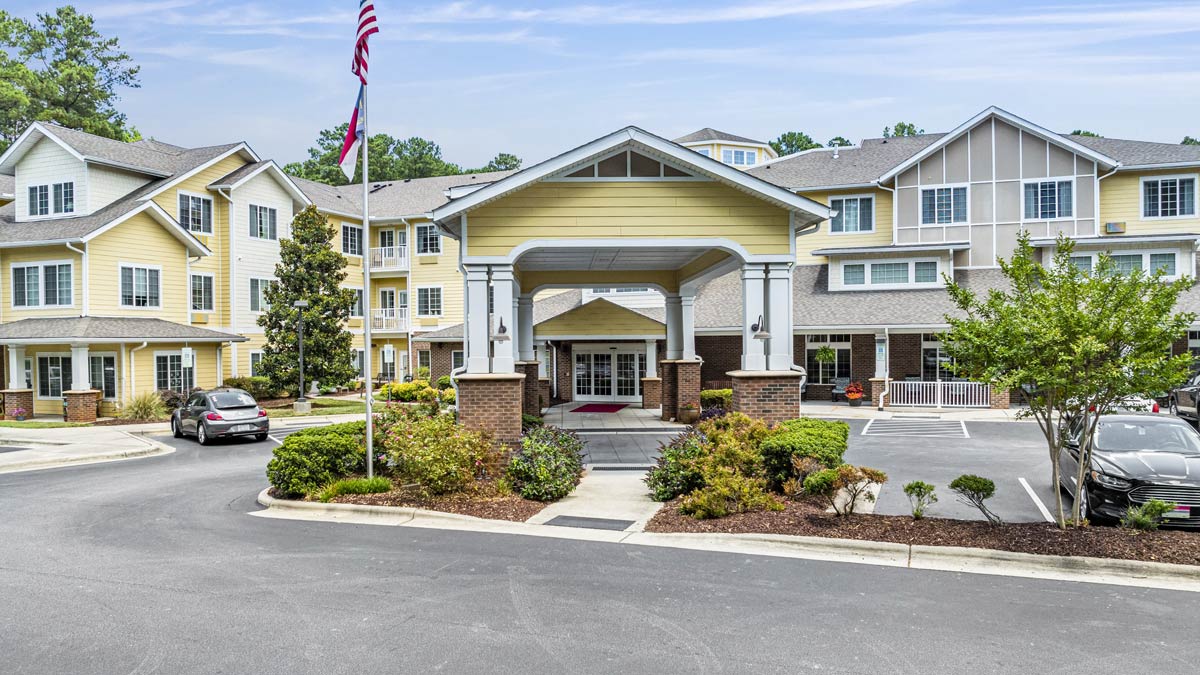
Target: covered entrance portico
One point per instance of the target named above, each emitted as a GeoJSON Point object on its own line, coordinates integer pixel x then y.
{"type": "Point", "coordinates": [627, 210]}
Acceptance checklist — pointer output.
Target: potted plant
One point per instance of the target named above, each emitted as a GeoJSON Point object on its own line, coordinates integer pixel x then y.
{"type": "Point", "coordinates": [689, 413]}
{"type": "Point", "coordinates": [854, 394]}
{"type": "Point", "coordinates": [20, 414]}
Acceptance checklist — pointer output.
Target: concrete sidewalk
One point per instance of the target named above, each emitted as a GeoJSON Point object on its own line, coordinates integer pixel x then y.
{"type": "Point", "coordinates": [866, 412]}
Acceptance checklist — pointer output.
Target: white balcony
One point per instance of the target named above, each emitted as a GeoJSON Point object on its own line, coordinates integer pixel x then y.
{"type": "Point", "coordinates": [390, 320]}
{"type": "Point", "coordinates": [389, 259]}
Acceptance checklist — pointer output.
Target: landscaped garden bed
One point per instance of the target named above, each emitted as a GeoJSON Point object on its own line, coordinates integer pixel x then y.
{"type": "Point", "coordinates": [487, 500]}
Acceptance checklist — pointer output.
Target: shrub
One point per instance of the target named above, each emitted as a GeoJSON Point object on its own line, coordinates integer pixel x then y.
{"type": "Point", "coordinates": [920, 496]}
{"type": "Point", "coordinates": [678, 469]}
{"type": "Point", "coordinates": [259, 387]}
{"type": "Point", "coordinates": [305, 462]}
{"type": "Point", "coordinates": [530, 421]}
{"type": "Point", "coordinates": [355, 486]}
{"type": "Point", "coordinates": [822, 440]}
{"type": "Point", "coordinates": [729, 493]}
{"type": "Point", "coordinates": [448, 396]}
{"type": "Point", "coordinates": [403, 391]}
{"type": "Point", "coordinates": [844, 486]}
{"type": "Point", "coordinates": [174, 399]}
{"type": "Point", "coordinates": [434, 452]}
{"type": "Point", "coordinates": [1147, 516]}
{"type": "Point", "coordinates": [734, 441]}
{"type": "Point", "coordinates": [548, 465]}
{"type": "Point", "coordinates": [443, 382]}
{"type": "Point", "coordinates": [973, 491]}
{"type": "Point", "coordinates": [711, 413]}
{"type": "Point", "coordinates": [353, 430]}
{"type": "Point", "coordinates": [716, 398]}
{"type": "Point", "coordinates": [802, 468]}
{"type": "Point", "coordinates": [423, 373]}
{"type": "Point", "coordinates": [145, 406]}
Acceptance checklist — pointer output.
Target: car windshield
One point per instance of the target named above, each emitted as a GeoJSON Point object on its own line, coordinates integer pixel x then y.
{"type": "Point", "coordinates": [232, 399]}
{"type": "Point", "coordinates": [1149, 435]}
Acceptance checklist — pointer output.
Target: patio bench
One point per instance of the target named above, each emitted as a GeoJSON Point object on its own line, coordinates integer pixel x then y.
{"type": "Point", "coordinates": [839, 387]}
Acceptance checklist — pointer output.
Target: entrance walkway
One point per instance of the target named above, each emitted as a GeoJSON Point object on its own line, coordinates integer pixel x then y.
{"type": "Point", "coordinates": [629, 418]}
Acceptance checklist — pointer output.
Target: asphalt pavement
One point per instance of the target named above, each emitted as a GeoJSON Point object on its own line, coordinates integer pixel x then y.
{"type": "Point", "coordinates": [153, 565]}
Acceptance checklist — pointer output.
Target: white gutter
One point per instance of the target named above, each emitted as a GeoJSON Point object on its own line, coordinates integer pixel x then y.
{"type": "Point", "coordinates": [133, 365]}
{"type": "Point", "coordinates": [887, 370]}
{"type": "Point", "coordinates": [466, 342]}
{"type": "Point", "coordinates": [83, 255]}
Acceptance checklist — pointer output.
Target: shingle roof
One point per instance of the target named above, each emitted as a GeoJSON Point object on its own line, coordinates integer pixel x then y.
{"type": "Point", "coordinates": [105, 328]}
{"type": "Point", "coordinates": [238, 173]}
{"type": "Point", "coordinates": [394, 198]}
{"type": "Point", "coordinates": [154, 156]}
{"type": "Point", "coordinates": [544, 310]}
{"type": "Point", "coordinates": [7, 184]}
{"type": "Point", "coordinates": [1138, 153]}
{"type": "Point", "coordinates": [851, 166]}
{"type": "Point", "coordinates": [710, 134]}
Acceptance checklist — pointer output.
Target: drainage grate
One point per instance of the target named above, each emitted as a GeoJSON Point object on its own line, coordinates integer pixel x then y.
{"type": "Point", "coordinates": [924, 428]}
{"type": "Point", "coordinates": [590, 523]}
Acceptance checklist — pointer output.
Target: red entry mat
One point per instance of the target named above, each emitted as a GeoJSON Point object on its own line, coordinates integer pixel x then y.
{"type": "Point", "coordinates": [599, 407]}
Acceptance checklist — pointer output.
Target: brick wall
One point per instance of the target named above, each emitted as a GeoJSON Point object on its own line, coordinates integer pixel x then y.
{"type": "Point", "coordinates": [492, 404]}
{"type": "Point", "coordinates": [721, 354]}
{"type": "Point", "coordinates": [651, 392]}
{"type": "Point", "coordinates": [81, 406]}
{"type": "Point", "coordinates": [687, 383]}
{"type": "Point", "coordinates": [904, 355]}
{"type": "Point", "coordinates": [862, 361]}
{"type": "Point", "coordinates": [670, 401]}
{"type": "Point", "coordinates": [529, 389]}
{"type": "Point", "coordinates": [565, 372]}
{"type": "Point", "coordinates": [439, 356]}
{"type": "Point", "coordinates": [18, 398]}
{"type": "Point", "coordinates": [771, 399]}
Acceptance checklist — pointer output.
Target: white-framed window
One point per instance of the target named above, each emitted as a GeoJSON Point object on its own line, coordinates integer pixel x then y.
{"type": "Point", "coordinates": [141, 286]}
{"type": "Point", "coordinates": [28, 373]}
{"type": "Point", "coordinates": [1128, 261]}
{"type": "Point", "coordinates": [825, 372]}
{"type": "Point", "coordinates": [457, 359]}
{"type": "Point", "coordinates": [1049, 200]}
{"type": "Point", "coordinates": [429, 301]}
{"type": "Point", "coordinates": [202, 292]}
{"type": "Point", "coordinates": [1194, 342]}
{"type": "Point", "coordinates": [1083, 262]}
{"type": "Point", "coordinates": [425, 360]}
{"type": "Point", "coordinates": [255, 360]}
{"type": "Point", "coordinates": [356, 310]}
{"type": "Point", "coordinates": [47, 284]}
{"type": "Point", "coordinates": [357, 356]}
{"type": "Point", "coordinates": [944, 205]}
{"type": "Point", "coordinates": [196, 212]}
{"type": "Point", "coordinates": [855, 213]}
{"type": "Point", "coordinates": [58, 198]}
{"type": "Point", "coordinates": [882, 274]}
{"type": "Point", "coordinates": [263, 222]}
{"type": "Point", "coordinates": [103, 370]}
{"type": "Point", "coordinates": [739, 157]}
{"type": "Point", "coordinates": [707, 152]}
{"type": "Point", "coordinates": [171, 373]}
{"type": "Point", "coordinates": [1169, 196]}
{"type": "Point", "coordinates": [53, 375]}
{"type": "Point", "coordinates": [64, 197]}
{"type": "Point", "coordinates": [39, 200]}
{"type": "Point", "coordinates": [936, 364]}
{"type": "Point", "coordinates": [352, 239]}
{"type": "Point", "coordinates": [429, 240]}
{"type": "Point", "coordinates": [258, 294]}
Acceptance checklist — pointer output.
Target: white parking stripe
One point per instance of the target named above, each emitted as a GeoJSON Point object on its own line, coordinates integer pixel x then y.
{"type": "Point", "coordinates": [927, 428]}
{"type": "Point", "coordinates": [1037, 501]}
{"type": "Point", "coordinates": [276, 439]}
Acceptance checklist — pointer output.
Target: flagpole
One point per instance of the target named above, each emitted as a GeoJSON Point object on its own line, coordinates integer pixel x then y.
{"type": "Point", "coordinates": [367, 317]}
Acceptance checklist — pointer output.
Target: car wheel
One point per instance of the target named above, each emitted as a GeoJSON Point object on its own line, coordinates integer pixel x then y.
{"type": "Point", "coordinates": [175, 430]}
{"type": "Point", "coordinates": [202, 433]}
{"type": "Point", "coordinates": [1085, 502]}
{"type": "Point", "coordinates": [260, 437]}
{"type": "Point", "coordinates": [1174, 408]}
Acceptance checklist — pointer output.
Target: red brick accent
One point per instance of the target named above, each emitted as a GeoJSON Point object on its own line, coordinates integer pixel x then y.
{"type": "Point", "coordinates": [722, 354]}
{"type": "Point", "coordinates": [81, 405]}
{"type": "Point", "coordinates": [1180, 346]}
{"type": "Point", "coordinates": [904, 355]}
{"type": "Point", "coordinates": [670, 398]}
{"type": "Point", "coordinates": [529, 398]}
{"type": "Point", "coordinates": [1001, 399]}
{"type": "Point", "coordinates": [878, 384]}
{"type": "Point", "coordinates": [687, 384]}
{"type": "Point", "coordinates": [543, 394]}
{"type": "Point", "coordinates": [18, 398]}
{"type": "Point", "coordinates": [492, 404]}
{"type": "Point", "coordinates": [772, 398]}
{"type": "Point", "coordinates": [651, 392]}
{"type": "Point", "coordinates": [565, 372]}
{"type": "Point", "coordinates": [440, 359]}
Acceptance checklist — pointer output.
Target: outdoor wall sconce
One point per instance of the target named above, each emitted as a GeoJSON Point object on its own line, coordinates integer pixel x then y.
{"type": "Point", "coordinates": [757, 329]}
{"type": "Point", "coordinates": [501, 333]}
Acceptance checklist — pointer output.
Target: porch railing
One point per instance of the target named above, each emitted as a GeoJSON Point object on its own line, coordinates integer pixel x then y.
{"type": "Point", "coordinates": [395, 320]}
{"type": "Point", "coordinates": [948, 394]}
{"type": "Point", "coordinates": [389, 258]}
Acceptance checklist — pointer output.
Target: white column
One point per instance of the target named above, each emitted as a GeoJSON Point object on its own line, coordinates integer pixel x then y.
{"type": "Point", "coordinates": [674, 327]}
{"type": "Point", "coordinates": [503, 287]}
{"type": "Point", "coordinates": [525, 328]}
{"type": "Point", "coordinates": [81, 371]}
{"type": "Point", "coordinates": [476, 320]}
{"type": "Point", "coordinates": [687, 314]}
{"type": "Point", "coordinates": [541, 357]}
{"type": "Point", "coordinates": [16, 367]}
{"type": "Point", "coordinates": [651, 358]}
{"type": "Point", "coordinates": [881, 355]}
{"type": "Point", "coordinates": [779, 302]}
{"type": "Point", "coordinates": [753, 351]}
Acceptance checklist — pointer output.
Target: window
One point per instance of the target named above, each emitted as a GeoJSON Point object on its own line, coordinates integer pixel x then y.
{"type": "Point", "coordinates": [944, 205]}
{"type": "Point", "coordinates": [29, 373]}
{"type": "Point", "coordinates": [262, 222]}
{"type": "Point", "coordinates": [258, 295]}
{"type": "Point", "coordinates": [854, 214]}
{"type": "Point", "coordinates": [387, 362]}
{"type": "Point", "coordinates": [739, 157]}
{"type": "Point", "coordinates": [424, 361]}
{"type": "Point", "coordinates": [429, 242]}
{"type": "Point", "coordinates": [1164, 197]}
{"type": "Point", "coordinates": [925, 272]}
{"type": "Point", "coordinates": [54, 376]}
{"type": "Point", "coordinates": [255, 360]}
{"type": "Point", "coordinates": [704, 151]}
{"type": "Point", "coordinates": [1126, 263]}
{"type": "Point", "coordinates": [935, 364]}
{"type": "Point", "coordinates": [357, 355]}
{"type": "Point", "coordinates": [202, 293]}
{"type": "Point", "coordinates": [42, 285]}
{"type": "Point", "coordinates": [103, 371]}
{"type": "Point", "coordinates": [1193, 343]}
{"type": "Point", "coordinates": [352, 243]}
{"type": "Point", "coordinates": [825, 372]}
{"type": "Point", "coordinates": [429, 302]}
{"type": "Point", "coordinates": [170, 373]}
{"type": "Point", "coordinates": [889, 273]}
{"type": "Point", "coordinates": [357, 308]}
{"type": "Point", "coordinates": [140, 286]}
{"type": "Point", "coordinates": [64, 197]}
{"type": "Point", "coordinates": [1164, 262]}
{"type": "Point", "coordinates": [854, 275]}
{"type": "Point", "coordinates": [1083, 262]}
{"type": "Point", "coordinates": [456, 359]}
{"type": "Point", "coordinates": [1048, 200]}
{"type": "Point", "coordinates": [39, 200]}
{"type": "Point", "coordinates": [195, 213]}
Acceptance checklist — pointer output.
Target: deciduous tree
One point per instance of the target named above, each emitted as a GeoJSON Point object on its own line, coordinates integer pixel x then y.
{"type": "Point", "coordinates": [1188, 140]}
{"type": "Point", "coordinates": [791, 142]}
{"type": "Point", "coordinates": [1085, 132]}
{"type": "Point", "coordinates": [838, 142]}
{"type": "Point", "coordinates": [902, 129]}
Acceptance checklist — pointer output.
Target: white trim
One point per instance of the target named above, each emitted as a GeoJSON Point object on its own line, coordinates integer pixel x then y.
{"type": "Point", "coordinates": [181, 233]}
{"type": "Point", "coordinates": [282, 178]}
{"type": "Point", "coordinates": [257, 225]}
{"type": "Point", "coordinates": [921, 189]}
{"type": "Point", "coordinates": [1049, 179]}
{"type": "Point", "coordinates": [363, 244]}
{"type": "Point", "coordinates": [50, 214]}
{"type": "Point", "coordinates": [179, 353]}
{"type": "Point", "coordinates": [12, 286]}
{"type": "Point", "coordinates": [211, 276]}
{"type": "Point", "coordinates": [37, 374]}
{"type": "Point", "coordinates": [117, 385]}
{"type": "Point", "coordinates": [212, 225]}
{"type": "Point", "coordinates": [722, 243]}
{"type": "Point", "coordinates": [417, 239]}
{"type": "Point", "coordinates": [250, 359]}
{"type": "Point", "coordinates": [179, 178]}
{"type": "Point", "coordinates": [859, 196]}
{"type": "Point", "coordinates": [897, 248]}
{"type": "Point", "coordinates": [838, 282]}
{"type": "Point", "coordinates": [748, 144]}
{"type": "Point", "coordinates": [250, 298]}
{"type": "Point", "coordinates": [1181, 265]}
{"type": "Point", "coordinates": [416, 307]}
{"type": "Point", "coordinates": [633, 336]}
{"type": "Point", "coordinates": [146, 266]}
{"type": "Point", "coordinates": [1195, 178]}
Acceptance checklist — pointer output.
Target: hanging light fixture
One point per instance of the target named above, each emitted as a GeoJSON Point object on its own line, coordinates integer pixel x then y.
{"type": "Point", "coordinates": [759, 329]}
{"type": "Point", "coordinates": [501, 334]}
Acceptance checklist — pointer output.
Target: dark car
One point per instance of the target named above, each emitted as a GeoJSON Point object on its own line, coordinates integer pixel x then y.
{"type": "Point", "coordinates": [1136, 458]}
{"type": "Point", "coordinates": [1185, 399]}
{"type": "Point", "coordinates": [220, 413]}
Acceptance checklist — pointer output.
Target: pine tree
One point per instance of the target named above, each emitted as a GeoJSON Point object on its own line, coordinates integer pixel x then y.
{"type": "Point", "coordinates": [309, 269]}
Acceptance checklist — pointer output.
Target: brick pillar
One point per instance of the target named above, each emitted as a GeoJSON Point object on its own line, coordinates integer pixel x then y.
{"type": "Point", "coordinates": [878, 384]}
{"type": "Point", "coordinates": [670, 397]}
{"type": "Point", "coordinates": [1001, 399]}
{"type": "Point", "coordinates": [81, 405]}
{"type": "Point", "coordinates": [687, 384]}
{"type": "Point", "coordinates": [769, 395]}
{"type": "Point", "coordinates": [651, 392]}
{"type": "Point", "coordinates": [543, 394]}
{"type": "Point", "coordinates": [18, 398]}
{"type": "Point", "coordinates": [491, 402]}
{"type": "Point", "coordinates": [529, 397]}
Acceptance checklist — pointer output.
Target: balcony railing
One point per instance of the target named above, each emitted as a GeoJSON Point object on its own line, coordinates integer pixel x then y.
{"type": "Point", "coordinates": [947, 394]}
{"type": "Point", "coordinates": [389, 259]}
{"type": "Point", "coordinates": [392, 320]}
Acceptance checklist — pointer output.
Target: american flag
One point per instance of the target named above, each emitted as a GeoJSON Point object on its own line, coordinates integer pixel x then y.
{"type": "Point", "coordinates": [367, 26]}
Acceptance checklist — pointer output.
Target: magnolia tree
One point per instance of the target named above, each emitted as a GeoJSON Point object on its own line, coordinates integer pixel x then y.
{"type": "Point", "coordinates": [1075, 341]}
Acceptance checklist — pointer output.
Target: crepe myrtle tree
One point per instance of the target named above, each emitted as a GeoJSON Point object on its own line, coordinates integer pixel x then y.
{"type": "Point", "coordinates": [1073, 341]}
{"type": "Point", "coordinates": [309, 269]}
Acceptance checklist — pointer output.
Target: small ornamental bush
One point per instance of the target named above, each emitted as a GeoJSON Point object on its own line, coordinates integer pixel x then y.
{"type": "Point", "coordinates": [845, 486]}
{"type": "Point", "coordinates": [443, 382]}
{"type": "Point", "coordinates": [548, 466]}
{"type": "Point", "coordinates": [1146, 516]}
{"type": "Point", "coordinates": [259, 387]}
{"type": "Point", "coordinates": [354, 430]}
{"type": "Point", "coordinates": [920, 496]}
{"type": "Point", "coordinates": [304, 463]}
{"type": "Point", "coordinates": [973, 490]}
{"type": "Point", "coordinates": [403, 391]}
{"type": "Point", "coordinates": [448, 397]}
{"type": "Point", "coordinates": [530, 421]}
{"type": "Point", "coordinates": [729, 493]}
{"type": "Point", "coordinates": [733, 441]}
{"type": "Point", "coordinates": [711, 413]}
{"type": "Point", "coordinates": [435, 452]}
{"type": "Point", "coordinates": [716, 398]}
{"type": "Point", "coordinates": [144, 406]}
{"type": "Point", "coordinates": [678, 469]}
{"type": "Point", "coordinates": [823, 440]}
{"type": "Point", "coordinates": [354, 486]}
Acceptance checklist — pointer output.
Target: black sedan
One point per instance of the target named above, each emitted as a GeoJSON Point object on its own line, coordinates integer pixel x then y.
{"type": "Point", "coordinates": [1136, 458]}
{"type": "Point", "coordinates": [221, 413]}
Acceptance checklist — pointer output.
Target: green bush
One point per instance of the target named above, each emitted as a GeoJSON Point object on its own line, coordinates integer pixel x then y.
{"type": "Point", "coordinates": [305, 462]}
{"type": "Point", "coordinates": [1147, 516]}
{"type": "Point", "coordinates": [920, 496]}
{"type": "Point", "coordinates": [822, 440]}
{"type": "Point", "coordinates": [678, 469]}
{"type": "Point", "coordinates": [145, 406]}
{"type": "Point", "coordinates": [716, 398]}
{"type": "Point", "coordinates": [434, 452]}
{"type": "Point", "coordinates": [449, 397]}
{"type": "Point", "coordinates": [844, 487]}
{"type": "Point", "coordinates": [530, 421]}
{"type": "Point", "coordinates": [443, 382]}
{"type": "Point", "coordinates": [356, 430]}
{"type": "Point", "coordinates": [548, 465]}
{"type": "Point", "coordinates": [403, 391]}
{"type": "Point", "coordinates": [355, 486]}
{"type": "Point", "coordinates": [729, 493]}
{"type": "Point", "coordinates": [259, 387]}
{"type": "Point", "coordinates": [733, 441]}
{"type": "Point", "coordinates": [973, 490]}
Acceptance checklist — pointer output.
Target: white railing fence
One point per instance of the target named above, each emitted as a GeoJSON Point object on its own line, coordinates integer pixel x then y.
{"type": "Point", "coordinates": [390, 319]}
{"type": "Point", "coordinates": [941, 394]}
{"type": "Point", "coordinates": [389, 258]}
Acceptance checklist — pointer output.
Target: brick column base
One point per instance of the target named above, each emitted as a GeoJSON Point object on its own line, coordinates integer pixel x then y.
{"type": "Point", "coordinates": [1001, 399]}
{"type": "Point", "coordinates": [651, 392]}
{"type": "Point", "coordinates": [772, 396]}
{"type": "Point", "coordinates": [669, 398]}
{"type": "Point", "coordinates": [491, 403]}
{"type": "Point", "coordinates": [687, 384]}
{"type": "Point", "coordinates": [529, 397]}
{"type": "Point", "coordinates": [81, 405]}
{"type": "Point", "coordinates": [543, 394]}
{"type": "Point", "coordinates": [878, 384]}
{"type": "Point", "coordinates": [18, 398]}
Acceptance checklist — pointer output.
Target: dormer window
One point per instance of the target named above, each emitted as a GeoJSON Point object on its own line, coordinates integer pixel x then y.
{"type": "Point", "coordinates": [195, 213]}
{"type": "Point", "coordinates": [40, 202]}
{"type": "Point", "coordinates": [739, 157]}
{"type": "Point", "coordinates": [64, 197]}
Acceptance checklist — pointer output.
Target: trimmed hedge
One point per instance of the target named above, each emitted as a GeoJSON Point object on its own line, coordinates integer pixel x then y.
{"type": "Point", "coordinates": [716, 398]}
{"type": "Point", "coordinates": [822, 440]}
{"type": "Point", "coordinates": [305, 462]}
{"type": "Point", "coordinates": [259, 387]}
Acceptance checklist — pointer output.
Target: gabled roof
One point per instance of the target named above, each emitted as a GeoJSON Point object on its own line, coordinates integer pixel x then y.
{"type": "Point", "coordinates": [710, 135]}
{"type": "Point", "coordinates": [1139, 154]}
{"type": "Point", "coordinates": [151, 158]}
{"type": "Point", "coordinates": [106, 329]}
{"type": "Point", "coordinates": [544, 310]}
{"type": "Point", "coordinates": [858, 166]}
{"type": "Point", "coordinates": [234, 179]}
{"type": "Point", "coordinates": [393, 199]}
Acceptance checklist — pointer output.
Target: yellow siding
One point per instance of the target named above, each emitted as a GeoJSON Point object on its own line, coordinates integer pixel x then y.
{"type": "Point", "coordinates": [882, 236]}
{"type": "Point", "coordinates": [139, 240]}
{"type": "Point", "coordinates": [398, 344]}
{"type": "Point", "coordinates": [12, 256]}
{"type": "Point", "coordinates": [600, 318]}
{"type": "Point", "coordinates": [198, 184]}
{"type": "Point", "coordinates": [1121, 201]}
{"type": "Point", "coordinates": [437, 270]}
{"type": "Point", "coordinates": [650, 209]}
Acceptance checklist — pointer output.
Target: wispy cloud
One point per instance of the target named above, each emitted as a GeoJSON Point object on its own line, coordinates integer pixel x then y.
{"type": "Point", "coordinates": [642, 13]}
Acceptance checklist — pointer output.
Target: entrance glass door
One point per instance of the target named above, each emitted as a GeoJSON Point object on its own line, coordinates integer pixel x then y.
{"type": "Point", "coordinates": [608, 375]}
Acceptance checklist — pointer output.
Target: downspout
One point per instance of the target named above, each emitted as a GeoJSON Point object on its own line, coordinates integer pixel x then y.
{"type": "Point", "coordinates": [133, 366]}
{"type": "Point", "coordinates": [887, 370]}
{"type": "Point", "coordinates": [408, 294]}
{"type": "Point", "coordinates": [462, 270]}
{"type": "Point", "coordinates": [189, 290]}
{"type": "Point", "coordinates": [83, 258]}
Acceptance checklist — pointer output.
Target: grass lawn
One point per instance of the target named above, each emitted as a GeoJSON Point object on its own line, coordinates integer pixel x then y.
{"type": "Point", "coordinates": [321, 406]}
{"type": "Point", "coordinates": [39, 424]}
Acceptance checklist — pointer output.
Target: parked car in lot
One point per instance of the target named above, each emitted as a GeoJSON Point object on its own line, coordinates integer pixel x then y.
{"type": "Point", "coordinates": [1184, 399]}
{"type": "Point", "coordinates": [221, 413]}
{"type": "Point", "coordinates": [1136, 458]}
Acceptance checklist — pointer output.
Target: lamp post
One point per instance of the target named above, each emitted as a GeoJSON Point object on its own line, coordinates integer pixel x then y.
{"type": "Point", "coordinates": [301, 305]}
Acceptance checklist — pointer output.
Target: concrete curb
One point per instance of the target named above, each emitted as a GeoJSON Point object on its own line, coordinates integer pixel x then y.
{"type": "Point", "coordinates": [151, 448]}
{"type": "Point", "coordinates": [917, 557]}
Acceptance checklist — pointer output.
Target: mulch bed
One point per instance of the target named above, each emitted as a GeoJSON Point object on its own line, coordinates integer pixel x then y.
{"type": "Point", "coordinates": [483, 502]}
{"type": "Point", "coordinates": [810, 519]}
{"type": "Point", "coordinates": [117, 422]}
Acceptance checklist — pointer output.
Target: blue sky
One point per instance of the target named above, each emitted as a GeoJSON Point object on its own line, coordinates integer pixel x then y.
{"type": "Point", "coordinates": [536, 78]}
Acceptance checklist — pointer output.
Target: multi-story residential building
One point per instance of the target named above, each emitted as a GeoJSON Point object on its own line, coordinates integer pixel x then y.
{"type": "Point", "coordinates": [736, 151]}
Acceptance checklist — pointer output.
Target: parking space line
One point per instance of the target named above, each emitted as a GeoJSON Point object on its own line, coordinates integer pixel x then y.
{"type": "Point", "coordinates": [275, 438]}
{"type": "Point", "coordinates": [868, 427]}
{"type": "Point", "coordinates": [1036, 500]}
{"type": "Point", "coordinates": [964, 429]}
